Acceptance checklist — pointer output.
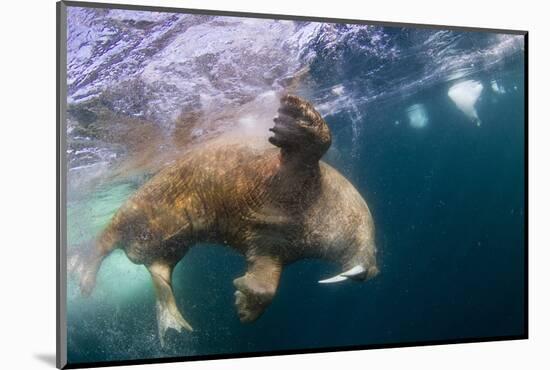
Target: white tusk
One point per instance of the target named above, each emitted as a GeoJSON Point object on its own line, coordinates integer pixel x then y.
{"type": "Point", "coordinates": [334, 279]}
{"type": "Point", "coordinates": [354, 271]}
{"type": "Point", "coordinates": [351, 273]}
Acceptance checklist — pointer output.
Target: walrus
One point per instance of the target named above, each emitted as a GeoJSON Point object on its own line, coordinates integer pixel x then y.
{"type": "Point", "coordinates": [274, 201]}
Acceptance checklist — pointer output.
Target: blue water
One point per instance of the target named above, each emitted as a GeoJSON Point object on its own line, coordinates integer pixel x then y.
{"type": "Point", "coordinates": [448, 204]}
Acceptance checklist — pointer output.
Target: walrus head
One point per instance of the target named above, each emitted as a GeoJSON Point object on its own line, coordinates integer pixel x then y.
{"type": "Point", "coordinates": [299, 130]}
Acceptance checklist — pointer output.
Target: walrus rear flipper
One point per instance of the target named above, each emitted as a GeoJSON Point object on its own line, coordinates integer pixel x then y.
{"type": "Point", "coordinates": [84, 260]}
{"type": "Point", "coordinates": [168, 315]}
{"type": "Point", "coordinates": [83, 263]}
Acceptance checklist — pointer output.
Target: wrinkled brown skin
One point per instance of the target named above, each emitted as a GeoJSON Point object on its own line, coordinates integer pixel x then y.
{"type": "Point", "coordinates": [275, 204]}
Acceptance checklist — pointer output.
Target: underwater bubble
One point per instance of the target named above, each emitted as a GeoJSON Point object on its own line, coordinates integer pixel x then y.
{"type": "Point", "coordinates": [256, 117]}
{"type": "Point", "coordinates": [247, 122]}
{"type": "Point", "coordinates": [465, 95]}
{"type": "Point", "coordinates": [418, 118]}
{"type": "Point", "coordinates": [497, 88]}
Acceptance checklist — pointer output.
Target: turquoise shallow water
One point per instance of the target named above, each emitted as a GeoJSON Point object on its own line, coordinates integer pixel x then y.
{"type": "Point", "coordinates": [448, 202]}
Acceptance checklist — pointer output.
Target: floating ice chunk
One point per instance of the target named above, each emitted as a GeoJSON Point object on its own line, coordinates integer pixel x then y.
{"type": "Point", "coordinates": [465, 94]}
{"type": "Point", "coordinates": [417, 116]}
{"type": "Point", "coordinates": [497, 88]}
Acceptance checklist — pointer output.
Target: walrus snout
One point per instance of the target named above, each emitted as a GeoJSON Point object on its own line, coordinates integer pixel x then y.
{"type": "Point", "coordinates": [373, 272]}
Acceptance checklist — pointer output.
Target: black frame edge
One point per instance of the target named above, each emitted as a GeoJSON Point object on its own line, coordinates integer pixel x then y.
{"type": "Point", "coordinates": [526, 181]}
{"type": "Point", "coordinates": [87, 4]}
{"type": "Point", "coordinates": [290, 352]}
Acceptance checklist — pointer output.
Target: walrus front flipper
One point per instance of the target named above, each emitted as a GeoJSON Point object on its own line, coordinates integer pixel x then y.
{"type": "Point", "coordinates": [168, 315]}
{"type": "Point", "coordinates": [257, 287]}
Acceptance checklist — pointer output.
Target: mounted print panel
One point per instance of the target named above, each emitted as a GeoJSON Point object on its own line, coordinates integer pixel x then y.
{"type": "Point", "coordinates": [236, 184]}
